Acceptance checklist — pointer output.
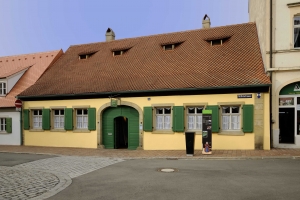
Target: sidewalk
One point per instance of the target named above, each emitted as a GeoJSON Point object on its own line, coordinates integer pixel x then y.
{"type": "Point", "coordinates": [145, 154]}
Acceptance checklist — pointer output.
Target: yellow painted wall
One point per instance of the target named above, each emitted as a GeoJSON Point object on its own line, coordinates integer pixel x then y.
{"type": "Point", "coordinates": [267, 145]}
{"type": "Point", "coordinates": [150, 141]}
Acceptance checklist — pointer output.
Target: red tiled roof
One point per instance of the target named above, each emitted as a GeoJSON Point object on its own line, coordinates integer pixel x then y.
{"type": "Point", "coordinates": [36, 64]}
{"type": "Point", "coordinates": [146, 66]}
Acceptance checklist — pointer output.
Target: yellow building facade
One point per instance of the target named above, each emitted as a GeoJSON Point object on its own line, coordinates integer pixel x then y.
{"type": "Point", "coordinates": [158, 139]}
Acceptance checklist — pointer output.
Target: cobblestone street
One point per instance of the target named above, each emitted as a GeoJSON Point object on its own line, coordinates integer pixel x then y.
{"type": "Point", "coordinates": [44, 178]}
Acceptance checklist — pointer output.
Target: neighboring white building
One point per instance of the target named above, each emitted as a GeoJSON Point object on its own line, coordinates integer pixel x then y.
{"type": "Point", "coordinates": [281, 18]}
{"type": "Point", "coordinates": [17, 73]}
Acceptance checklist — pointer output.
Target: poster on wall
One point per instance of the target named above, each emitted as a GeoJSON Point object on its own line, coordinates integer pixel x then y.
{"type": "Point", "coordinates": [206, 131]}
{"type": "Point", "coordinates": [287, 101]}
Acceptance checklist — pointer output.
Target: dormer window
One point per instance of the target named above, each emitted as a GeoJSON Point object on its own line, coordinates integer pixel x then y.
{"type": "Point", "coordinates": [117, 53]}
{"type": "Point", "coordinates": [216, 42]}
{"type": "Point", "coordinates": [85, 56]}
{"type": "Point", "coordinates": [169, 47]}
{"type": "Point", "coordinates": [2, 88]}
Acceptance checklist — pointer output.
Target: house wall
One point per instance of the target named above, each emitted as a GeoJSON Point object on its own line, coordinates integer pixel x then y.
{"type": "Point", "coordinates": [13, 138]}
{"type": "Point", "coordinates": [155, 140]}
{"type": "Point", "coordinates": [286, 64]}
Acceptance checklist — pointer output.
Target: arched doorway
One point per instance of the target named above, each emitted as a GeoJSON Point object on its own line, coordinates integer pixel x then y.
{"type": "Point", "coordinates": [289, 113]}
{"type": "Point", "coordinates": [120, 127]}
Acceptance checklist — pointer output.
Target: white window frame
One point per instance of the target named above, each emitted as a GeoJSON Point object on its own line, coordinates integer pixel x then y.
{"type": "Point", "coordinates": [81, 119]}
{"type": "Point", "coordinates": [231, 115]}
{"type": "Point", "coordinates": [173, 47]}
{"type": "Point", "coordinates": [195, 116]}
{"type": "Point", "coordinates": [58, 120]}
{"type": "Point", "coordinates": [294, 27]}
{"type": "Point", "coordinates": [2, 124]}
{"type": "Point", "coordinates": [165, 125]}
{"type": "Point", "coordinates": [37, 120]}
{"type": "Point", "coordinates": [3, 88]}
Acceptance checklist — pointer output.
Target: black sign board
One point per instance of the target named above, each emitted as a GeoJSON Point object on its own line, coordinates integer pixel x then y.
{"type": "Point", "coordinates": [206, 130]}
{"type": "Point", "coordinates": [243, 96]}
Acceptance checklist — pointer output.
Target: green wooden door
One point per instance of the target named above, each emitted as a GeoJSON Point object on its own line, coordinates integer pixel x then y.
{"type": "Point", "coordinates": [108, 126]}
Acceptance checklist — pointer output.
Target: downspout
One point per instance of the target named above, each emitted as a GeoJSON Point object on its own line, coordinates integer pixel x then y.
{"type": "Point", "coordinates": [21, 130]}
{"type": "Point", "coordinates": [271, 64]}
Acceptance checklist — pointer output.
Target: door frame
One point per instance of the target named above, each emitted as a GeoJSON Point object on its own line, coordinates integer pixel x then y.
{"type": "Point", "coordinates": [121, 103]}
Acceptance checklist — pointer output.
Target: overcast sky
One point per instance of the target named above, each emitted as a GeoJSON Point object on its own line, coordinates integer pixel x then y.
{"type": "Point", "coordinates": [29, 26]}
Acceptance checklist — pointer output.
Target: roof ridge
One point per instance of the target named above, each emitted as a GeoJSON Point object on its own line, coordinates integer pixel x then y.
{"type": "Point", "coordinates": [30, 54]}
{"type": "Point", "coordinates": [160, 34]}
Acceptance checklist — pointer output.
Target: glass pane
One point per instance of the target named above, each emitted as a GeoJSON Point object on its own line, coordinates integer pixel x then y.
{"type": "Point", "coordinates": [235, 122]}
{"type": "Point", "coordinates": [286, 101]}
{"type": "Point", "coordinates": [159, 111]}
{"type": "Point", "coordinates": [199, 122]}
{"type": "Point", "coordinates": [296, 37]}
{"type": "Point", "coordinates": [190, 122]}
{"type": "Point", "coordinates": [159, 122]}
{"type": "Point", "coordinates": [191, 110]}
{"type": "Point", "coordinates": [62, 112]}
{"type": "Point", "coordinates": [225, 109]}
{"type": "Point", "coordinates": [297, 20]}
{"type": "Point", "coordinates": [167, 110]}
{"type": "Point", "coordinates": [225, 122]}
{"type": "Point", "coordinates": [235, 109]}
{"type": "Point", "coordinates": [79, 112]}
{"type": "Point", "coordinates": [40, 112]}
{"type": "Point", "coordinates": [56, 112]}
{"type": "Point", "coordinates": [167, 124]}
{"type": "Point", "coordinates": [199, 110]}
{"type": "Point", "coordinates": [85, 111]}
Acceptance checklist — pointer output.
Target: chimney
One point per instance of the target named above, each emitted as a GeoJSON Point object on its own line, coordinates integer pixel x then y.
{"type": "Point", "coordinates": [206, 21]}
{"type": "Point", "coordinates": [110, 35]}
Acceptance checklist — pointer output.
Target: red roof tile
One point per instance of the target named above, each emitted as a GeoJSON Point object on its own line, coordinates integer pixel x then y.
{"type": "Point", "coordinates": [146, 66]}
{"type": "Point", "coordinates": [36, 64]}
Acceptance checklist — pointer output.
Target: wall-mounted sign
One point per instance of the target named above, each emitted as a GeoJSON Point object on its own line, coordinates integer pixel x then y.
{"type": "Point", "coordinates": [293, 88]}
{"type": "Point", "coordinates": [206, 131]}
{"type": "Point", "coordinates": [243, 96]}
{"type": "Point", "coordinates": [113, 102]}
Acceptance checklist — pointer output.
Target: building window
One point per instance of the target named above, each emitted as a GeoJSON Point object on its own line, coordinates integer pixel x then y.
{"type": "Point", "coordinates": [297, 32]}
{"type": "Point", "coordinates": [169, 47]}
{"type": "Point", "coordinates": [59, 119]}
{"type": "Point", "coordinates": [81, 118]}
{"type": "Point", "coordinates": [2, 88]}
{"type": "Point", "coordinates": [37, 119]}
{"type": "Point", "coordinates": [231, 118]}
{"type": "Point", "coordinates": [163, 118]}
{"type": "Point", "coordinates": [2, 124]}
{"type": "Point", "coordinates": [194, 118]}
{"type": "Point", "coordinates": [216, 42]}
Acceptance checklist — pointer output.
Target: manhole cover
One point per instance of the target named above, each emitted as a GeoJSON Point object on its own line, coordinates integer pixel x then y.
{"type": "Point", "coordinates": [168, 170]}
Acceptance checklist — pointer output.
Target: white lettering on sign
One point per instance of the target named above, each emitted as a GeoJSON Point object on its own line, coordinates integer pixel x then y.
{"type": "Point", "coordinates": [109, 133]}
{"type": "Point", "coordinates": [296, 88]}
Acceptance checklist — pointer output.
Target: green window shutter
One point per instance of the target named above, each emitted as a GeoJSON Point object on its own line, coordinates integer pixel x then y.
{"type": "Point", "coordinates": [248, 118]}
{"type": "Point", "coordinates": [178, 119]}
{"type": "Point", "coordinates": [214, 118]}
{"type": "Point", "coordinates": [68, 118]}
{"type": "Point", "coordinates": [148, 119]}
{"type": "Point", "coordinates": [26, 123]}
{"type": "Point", "coordinates": [92, 119]}
{"type": "Point", "coordinates": [46, 119]}
{"type": "Point", "coordinates": [8, 125]}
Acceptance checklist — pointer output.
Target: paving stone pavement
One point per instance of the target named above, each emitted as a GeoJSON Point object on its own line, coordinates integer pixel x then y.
{"type": "Point", "coordinates": [44, 178]}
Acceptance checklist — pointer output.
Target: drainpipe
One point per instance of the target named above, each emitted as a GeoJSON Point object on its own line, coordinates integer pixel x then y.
{"type": "Point", "coordinates": [21, 130]}
{"type": "Point", "coordinates": [271, 65]}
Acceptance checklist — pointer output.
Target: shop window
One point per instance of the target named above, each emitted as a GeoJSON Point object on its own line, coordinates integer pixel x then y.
{"type": "Point", "coordinates": [58, 119]}
{"type": "Point", "coordinates": [231, 118]}
{"type": "Point", "coordinates": [163, 118]}
{"type": "Point", "coordinates": [37, 119]}
{"type": "Point", "coordinates": [297, 31]}
{"type": "Point", "coordinates": [3, 88]}
{"type": "Point", "coordinates": [194, 118]}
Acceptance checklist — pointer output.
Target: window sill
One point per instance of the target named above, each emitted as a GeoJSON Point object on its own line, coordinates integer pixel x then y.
{"type": "Point", "coordinates": [36, 130]}
{"type": "Point", "coordinates": [197, 132]}
{"type": "Point", "coordinates": [81, 131]}
{"type": "Point", "coordinates": [163, 132]}
{"type": "Point", "coordinates": [4, 133]}
{"type": "Point", "coordinates": [58, 130]}
{"type": "Point", "coordinates": [233, 133]}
